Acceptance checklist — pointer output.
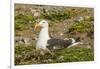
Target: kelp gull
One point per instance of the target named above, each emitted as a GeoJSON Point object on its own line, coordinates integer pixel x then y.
{"type": "Point", "coordinates": [45, 42]}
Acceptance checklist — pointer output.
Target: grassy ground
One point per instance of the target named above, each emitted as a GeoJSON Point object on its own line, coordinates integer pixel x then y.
{"type": "Point", "coordinates": [28, 55]}
{"type": "Point", "coordinates": [69, 21]}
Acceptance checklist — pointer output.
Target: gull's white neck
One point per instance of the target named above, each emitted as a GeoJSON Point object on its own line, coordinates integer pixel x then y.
{"type": "Point", "coordinates": [43, 37]}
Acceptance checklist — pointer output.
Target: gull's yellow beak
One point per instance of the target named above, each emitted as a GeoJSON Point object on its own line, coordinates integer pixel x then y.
{"type": "Point", "coordinates": [36, 26]}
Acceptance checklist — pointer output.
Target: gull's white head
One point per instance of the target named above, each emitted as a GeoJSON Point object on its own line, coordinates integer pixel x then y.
{"type": "Point", "coordinates": [42, 24]}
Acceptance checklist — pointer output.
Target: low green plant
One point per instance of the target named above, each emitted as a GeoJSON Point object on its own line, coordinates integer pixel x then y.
{"type": "Point", "coordinates": [28, 55]}
{"type": "Point", "coordinates": [55, 15]}
{"type": "Point", "coordinates": [22, 21]}
{"type": "Point", "coordinates": [83, 26]}
{"type": "Point", "coordinates": [22, 48]}
{"type": "Point", "coordinates": [76, 54]}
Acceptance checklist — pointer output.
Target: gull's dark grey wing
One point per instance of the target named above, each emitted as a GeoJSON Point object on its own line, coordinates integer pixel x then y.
{"type": "Point", "coordinates": [58, 43]}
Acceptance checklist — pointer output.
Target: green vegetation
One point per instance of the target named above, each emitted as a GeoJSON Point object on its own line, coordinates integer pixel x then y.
{"type": "Point", "coordinates": [22, 21]}
{"type": "Point", "coordinates": [28, 55]}
{"type": "Point", "coordinates": [25, 18]}
{"type": "Point", "coordinates": [20, 49]}
{"type": "Point", "coordinates": [76, 54]}
{"type": "Point", "coordinates": [56, 15]}
{"type": "Point", "coordinates": [85, 25]}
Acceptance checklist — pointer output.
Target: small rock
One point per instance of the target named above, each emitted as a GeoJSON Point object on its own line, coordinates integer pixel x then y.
{"type": "Point", "coordinates": [79, 19]}
{"type": "Point", "coordinates": [61, 34]}
{"type": "Point", "coordinates": [36, 14]}
{"type": "Point", "coordinates": [27, 41]}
